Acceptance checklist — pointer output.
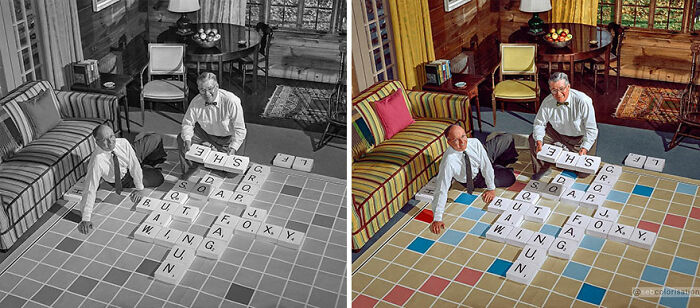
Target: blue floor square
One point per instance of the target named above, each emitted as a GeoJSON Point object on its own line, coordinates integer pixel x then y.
{"type": "Point", "coordinates": [465, 198]}
{"type": "Point", "coordinates": [592, 242]}
{"type": "Point", "coordinates": [499, 267]}
{"type": "Point", "coordinates": [575, 270]}
{"type": "Point", "coordinates": [591, 294]}
{"type": "Point", "coordinates": [580, 186]}
{"type": "Point", "coordinates": [550, 230]}
{"type": "Point", "coordinates": [686, 188]}
{"type": "Point", "coordinates": [654, 274]}
{"type": "Point", "coordinates": [673, 298]}
{"type": "Point", "coordinates": [420, 245]}
{"type": "Point", "coordinates": [618, 196]}
{"type": "Point", "coordinates": [452, 237]}
{"type": "Point", "coordinates": [642, 190]}
{"type": "Point", "coordinates": [480, 229]}
{"type": "Point", "coordinates": [569, 174]}
{"type": "Point", "coordinates": [473, 213]}
{"type": "Point", "coordinates": [684, 266]}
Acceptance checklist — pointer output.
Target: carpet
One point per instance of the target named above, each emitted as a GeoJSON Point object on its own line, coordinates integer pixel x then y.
{"type": "Point", "coordinates": [650, 103]}
{"type": "Point", "coordinates": [304, 104]}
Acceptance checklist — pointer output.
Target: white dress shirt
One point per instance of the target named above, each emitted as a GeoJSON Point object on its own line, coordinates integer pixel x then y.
{"type": "Point", "coordinates": [223, 119]}
{"type": "Point", "coordinates": [575, 119]}
{"type": "Point", "coordinates": [452, 166]}
{"type": "Point", "coordinates": [101, 167]}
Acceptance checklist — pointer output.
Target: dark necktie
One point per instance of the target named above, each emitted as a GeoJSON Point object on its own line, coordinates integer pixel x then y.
{"type": "Point", "coordinates": [564, 103]}
{"type": "Point", "coordinates": [117, 173]}
{"type": "Point", "coordinates": [470, 179]}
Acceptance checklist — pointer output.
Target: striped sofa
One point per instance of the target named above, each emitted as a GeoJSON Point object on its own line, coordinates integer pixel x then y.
{"type": "Point", "coordinates": [386, 173]}
{"type": "Point", "coordinates": [45, 167]}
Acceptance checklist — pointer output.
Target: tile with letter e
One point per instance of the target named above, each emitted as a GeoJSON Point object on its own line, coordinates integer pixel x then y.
{"type": "Point", "coordinates": [283, 160]}
{"type": "Point", "coordinates": [197, 153]}
{"type": "Point", "coordinates": [549, 153]}
{"type": "Point", "coordinates": [303, 164]}
{"type": "Point", "coordinates": [591, 294]}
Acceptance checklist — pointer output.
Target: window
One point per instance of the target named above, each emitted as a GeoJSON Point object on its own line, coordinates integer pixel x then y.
{"type": "Point", "coordinates": [25, 30]}
{"type": "Point", "coordinates": [606, 11]}
{"type": "Point", "coordinates": [321, 16]}
{"type": "Point", "coordinates": [646, 14]}
{"type": "Point", "coordinates": [381, 43]}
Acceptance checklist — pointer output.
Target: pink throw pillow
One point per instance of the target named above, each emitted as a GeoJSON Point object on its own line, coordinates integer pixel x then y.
{"type": "Point", "coordinates": [393, 113]}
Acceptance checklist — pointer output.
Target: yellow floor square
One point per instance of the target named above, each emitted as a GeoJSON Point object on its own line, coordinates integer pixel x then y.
{"type": "Point", "coordinates": [407, 258]}
{"type": "Point", "coordinates": [511, 289]}
{"type": "Point", "coordinates": [631, 268]}
{"type": "Point", "coordinates": [420, 299]}
{"type": "Point", "coordinates": [413, 279]}
{"type": "Point", "coordinates": [448, 270]}
{"type": "Point", "coordinates": [623, 284]}
{"type": "Point", "coordinates": [535, 295]}
{"type": "Point", "coordinates": [557, 300]}
{"type": "Point", "coordinates": [607, 262]}
{"type": "Point", "coordinates": [667, 184]}
{"type": "Point", "coordinates": [614, 299]}
{"type": "Point", "coordinates": [456, 292]}
{"type": "Point", "coordinates": [678, 280]}
{"type": "Point", "coordinates": [659, 205]}
{"type": "Point", "coordinates": [599, 278]}
{"type": "Point", "coordinates": [440, 250]}
{"type": "Point", "coordinates": [623, 186]}
{"type": "Point", "coordinates": [427, 264]}
{"type": "Point", "coordinates": [671, 233]}
{"type": "Point", "coordinates": [661, 260]}
{"type": "Point", "coordinates": [480, 262]}
{"type": "Point", "coordinates": [680, 210]}
{"type": "Point", "coordinates": [682, 198]}
{"type": "Point", "coordinates": [489, 281]}
{"type": "Point", "coordinates": [460, 256]}
{"type": "Point", "coordinates": [393, 273]}
{"type": "Point", "coordinates": [544, 279]}
{"type": "Point", "coordinates": [477, 298]}
{"type": "Point", "coordinates": [378, 288]}
{"type": "Point", "coordinates": [584, 256]}
{"type": "Point", "coordinates": [637, 200]}
{"type": "Point", "coordinates": [662, 194]}
{"type": "Point", "coordinates": [500, 301]}
{"type": "Point", "coordinates": [360, 281]}
{"type": "Point", "coordinates": [388, 252]}
{"type": "Point", "coordinates": [647, 180]}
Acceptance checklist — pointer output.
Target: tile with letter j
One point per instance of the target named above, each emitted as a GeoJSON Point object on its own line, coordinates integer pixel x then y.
{"type": "Point", "coordinates": [420, 245]}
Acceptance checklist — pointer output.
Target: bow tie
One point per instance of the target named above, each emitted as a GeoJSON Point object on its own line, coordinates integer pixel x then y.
{"type": "Point", "coordinates": [210, 104]}
{"type": "Point", "coordinates": [564, 103]}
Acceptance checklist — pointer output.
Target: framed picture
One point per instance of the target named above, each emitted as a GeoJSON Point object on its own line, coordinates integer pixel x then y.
{"type": "Point", "coordinates": [452, 4]}
{"type": "Point", "coordinates": [98, 5]}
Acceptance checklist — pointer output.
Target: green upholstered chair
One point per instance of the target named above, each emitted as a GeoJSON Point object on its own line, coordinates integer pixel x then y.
{"type": "Point", "coordinates": [517, 75]}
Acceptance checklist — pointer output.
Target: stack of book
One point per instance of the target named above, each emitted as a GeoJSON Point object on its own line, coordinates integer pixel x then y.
{"type": "Point", "coordinates": [86, 71]}
{"type": "Point", "coordinates": [438, 71]}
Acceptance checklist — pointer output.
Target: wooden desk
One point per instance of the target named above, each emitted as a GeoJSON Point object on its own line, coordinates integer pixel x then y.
{"type": "Point", "coordinates": [470, 90]}
{"type": "Point", "coordinates": [119, 90]}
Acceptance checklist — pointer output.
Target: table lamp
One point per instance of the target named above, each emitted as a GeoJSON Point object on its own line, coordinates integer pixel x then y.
{"type": "Point", "coordinates": [183, 7]}
{"type": "Point", "coordinates": [535, 7]}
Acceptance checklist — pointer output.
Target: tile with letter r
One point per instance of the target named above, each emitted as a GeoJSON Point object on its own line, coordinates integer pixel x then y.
{"type": "Point", "coordinates": [466, 198]}
{"type": "Point", "coordinates": [479, 229]}
{"type": "Point", "coordinates": [499, 267]}
{"type": "Point", "coordinates": [654, 274]}
{"type": "Point", "coordinates": [685, 188]}
{"type": "Point", "coordinates": [550, 230]}
{"type": "Point", "coordinates": [674, 298]}
{"type": "Point", "coordinates": [642, 190]}
{"type": "Point", "coordinates": [684, 266]}
{"type": "Point", "coordinates": [592, 242]}
{"type": "Point", "coordinates": [618, 196]}
{"type": "Point", "coordinates": [452, 237]}
{"type": "Point", "coordinates": [473, 213]}
{"type": "Point", "coordinates": [420, 245]}
{"type": "Point", "coordinates": [575, 270]}
{"type": "Point", "coordinates": [591, 294]}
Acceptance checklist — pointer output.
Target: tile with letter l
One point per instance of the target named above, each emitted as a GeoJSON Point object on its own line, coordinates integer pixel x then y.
{"type": "Point", "coordinates": [473, 213]}
{"type": "Point", "coordinates": [674, 298]}
{"type": "Point", "coordinates": [654, 274]}
{"type": "Point", "coordinates": [499, 267]}
{"type": "Point", "coordinates": [592, 242]}
{"type": "Point", "coordinates": [684, 266]}
{"type": "Point", "coordinates": [479, 229]}
{"type": "Point", "coordinates": [618, 196]}
{"type": "Point", "coordinates": [642, 190]}
{"type": "Point", "coordinates": [575, 270]}
{"type": "Point", "coordinates": [591, 294]}
{"type": "Point", "coordinates": [420, 245]}
{"type": "Point", "coordinates": [465, 198]}
{"type": "Point", "coordinates": [686, 188]}
{"type": "Point", "coordinates": [452, 237]}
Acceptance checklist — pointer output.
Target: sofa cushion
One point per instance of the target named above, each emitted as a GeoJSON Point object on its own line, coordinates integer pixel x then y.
{"type": "Point", "coordinates": [362, 139]}
{"type": "Point", "coordinates": [10, 137]}
{"type": "Point", "coordinates": [363, 105]}
{"type": "Point", "coordinates": [42, 112]}
{"type": "Point", "coordinates": [393, 113]}
{"type": "Point", "coordinates": [21, 94]}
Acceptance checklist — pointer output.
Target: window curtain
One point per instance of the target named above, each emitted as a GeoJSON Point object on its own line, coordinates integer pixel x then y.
{"type": "Point", "coordinates": [578, 11]}
{"type": "Point", "coordinates": [223, 11]}
{"type": "Point", "coordinates": [60, 39]}
{"type": "Point", "coordinates": [413, 40]}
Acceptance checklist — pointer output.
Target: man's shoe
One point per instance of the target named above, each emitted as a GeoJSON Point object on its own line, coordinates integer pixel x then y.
{"type": "Point", "coordinates": [537, 176]}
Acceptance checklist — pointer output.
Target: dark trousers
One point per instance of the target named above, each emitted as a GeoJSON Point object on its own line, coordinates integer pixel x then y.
{"type": "Point", "coordinates": [221, 143]}
{"type": "Point", "coordinates": [149, 150]}
{"type": "Point", "coordinates": [501, 152]}
{"type": "Point", "coordinates": [551, 135]}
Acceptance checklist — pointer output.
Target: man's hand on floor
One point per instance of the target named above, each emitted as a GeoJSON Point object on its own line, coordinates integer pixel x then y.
{"type": "Point", "coordinates": [85, 226]}
{"type": "Point", "coordinates": [136, 196]}
{"type": "Point", "coordinates": [437, 227]}
{"type": "Point", "coordinates": [488, 195]}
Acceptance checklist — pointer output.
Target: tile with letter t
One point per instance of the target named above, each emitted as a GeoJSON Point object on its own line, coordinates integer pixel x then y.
{"type": "Point", "coordinates": [538, 213]}
{"type": "Point", "coordinates": [283, 160]}
{"type": "Point", "coordinates": [186, 213]}
{"type": "Point", "coordinates": [197, 153]}
{"type": "Point", "coordinates": [236, 164]}
{"type": "Point", "coordinates": [303, 164]}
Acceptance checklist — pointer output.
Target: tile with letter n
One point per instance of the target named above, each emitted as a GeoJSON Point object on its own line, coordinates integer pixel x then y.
{"type": "Point", "coordinates": [591, 294]}
{"type": "Point", "coordinates": [420, 245]}
{"type": "Point", "coordinates": [466, 198]}
{"type": "Point", "coordinates": [499, 267]}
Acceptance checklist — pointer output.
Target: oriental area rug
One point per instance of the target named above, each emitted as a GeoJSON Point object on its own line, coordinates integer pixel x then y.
{"type": "Point", "coordinates": [304, 104]}
{"type": "Point", "coordinates": [652, 104]}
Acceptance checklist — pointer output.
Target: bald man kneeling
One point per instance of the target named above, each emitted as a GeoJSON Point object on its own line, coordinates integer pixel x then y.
{"type": "Point", "coordinates": [116, 156]}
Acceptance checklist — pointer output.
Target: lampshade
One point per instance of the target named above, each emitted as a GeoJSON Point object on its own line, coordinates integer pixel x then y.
{"type": "Point", "coordinates": [532, 6]}
{"type": "Point", "coordinates": [183, 6]}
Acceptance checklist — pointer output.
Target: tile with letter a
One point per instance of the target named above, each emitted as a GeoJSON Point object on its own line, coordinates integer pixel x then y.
{"type": "Point", "coordinates": [572, 196]}
{"type": "Point", "coordinates": [147, 204]}
{"type": "Point", "coordinates": [253, 178]}
{"type": "Point", "coordinates": [283, 160]}
{"type": "Point", "coordinates": [519, 237]}
{"type": "Point", "coordinates": [498, 205]}
{"type": "Point", "coordinates": [521, 272]}
{"type": "Point", "coordinates": [599, 227]}
{"type": "Point", "coordinates": [552, 191]}
{"type": "Point", "coordinates": [189, 240]}
{"type": "Point", "coordinates": [176, 196]}
{"type": "Point", "coordinates": [170, 272]}
{"type": "Point", "coordinates": [291, 238]}
{"type": "Point", "coordinates": [534, 255]}
{"type": "Point", "coordinates": [563, 248]}
{"type": "Point", "coordinates": [186, 213]}
{"type": "Point", "coordinates": [303, 164]}
{"type": "Point", "coordinates": [654, 164]}
{"type": "Point", "coordinates": [540, 239]}
{"type": "Point", "coordinates": [241, 199]}
{"type": "Point", "coordinates": [642, 238]}
{"type": "Point", "coordinates": [620, 233]}
{"type": "Point", "coordinates": [527, 197]}
{"type": "Point", "coordinates": [564, 181]}
{"type": "Point", "coordinates": [635, 160]}
{"type": "Point", "coordinates": [591, 200]}
{"type": "Point", "coordinates": [220, 233]}
{"type": "Point", "coordinates": [254, 214]}
{"type": "Point", "coordinates": [269, 232]}
{"type": "Point", "coordinates": [159, 219]}
{"type": "Point", "coordinates": [587, 164]}
{"type": "Point", "coordinates": [261, 171]}
{"type": "Point", "coordinates": [179, 254]}
{"type": "Point", "coordinates": [606, 213]}
{"type": "Point", "coordinates": [227, 220]}
{"type": "Point", "coordinates": [220, 196]}
{"type": "Point", "coordinates": [146, 232]}
{"type": "Point", "coordinates": [247, 188]}
{"type": "Point", "coordinates": [211, 248]}
{"type": "Point", "coordinates": [215, 160]}
{"type": "Point", "coordinates": [197, 153]}
{"type": "Point", "coordinates": [167, 237]}
{"type": "Point", "coordinates": [201, 191]}
{"type": "Point", "coordinates": [599, 188]}
{"type": "Point", "coordinates": [538, 213]}
{"type": "Point", "coordinates": [572, 232]}
{"type": "Point", "coordinates": [510, 219]}
{"type": "Point", "coordinates": [534, 186]}
{"type": "Point", "coordinates": [236, 164]}
{"type": "Point", "coordinates": [498, 232]}
{"type": "Point", "coordinates": [579, 220]}
{"type": "Point", "coordinates": [549, 153]}
{"type": "Point", "coordinates": [248, 227]}
{"type": "Point", "coordinates": [183, 186]}
{"type": "Point", "coordinates": [567, 160]}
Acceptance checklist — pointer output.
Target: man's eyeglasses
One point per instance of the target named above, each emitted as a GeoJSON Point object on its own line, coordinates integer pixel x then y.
{"type": "Point", "coordinates": [208, 90]}
{"type": "Point", "coordinates": [463, 137]}
{"type": "Point", "coordinates": [559, 90]}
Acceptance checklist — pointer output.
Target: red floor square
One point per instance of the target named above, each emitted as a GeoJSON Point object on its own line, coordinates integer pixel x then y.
{"type": "Point", "coordinates": [649, 226]}
{"type": "Point", "coordinates": [362, 301]}
{"type": "Point", "coordinates": [517, 186]}
{"type": "Point", "coordinates": [468, 276]}
{"type": "Point", "coordinates": [434, 285]}
{"type": "Point", "coordinates": [425, 216]}
{"type": "Point", "coordinates": [674, 220]}
{"type": "Point", "coordinates": [695, 213]}
{"type": "Point", "coordinates": [398, 295]}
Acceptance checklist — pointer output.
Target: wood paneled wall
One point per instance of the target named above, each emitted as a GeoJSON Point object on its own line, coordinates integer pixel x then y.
{"type": "Point", "coordinates": [454, 30]}
{"type": "Point", "coordinates": [664, 57]}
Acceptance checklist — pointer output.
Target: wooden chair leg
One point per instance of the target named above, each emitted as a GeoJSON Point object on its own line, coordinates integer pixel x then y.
{"type": "Point", "coordinates": [143, 112]}
{"type": "Point", "coordinates": [676, 138]}
{"type": "Point", "coordinates": [493, 107]}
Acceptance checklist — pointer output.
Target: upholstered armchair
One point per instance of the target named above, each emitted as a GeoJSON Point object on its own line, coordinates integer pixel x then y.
{"type": "Point", "coordinates": [517, 60]}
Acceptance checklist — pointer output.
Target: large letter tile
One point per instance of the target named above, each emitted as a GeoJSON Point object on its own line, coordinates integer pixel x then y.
{"type": "Point", "coordinates": [522, 272]}
{"type": "Point", "coordinates": [579, 220]}
{"type": "Point", "coordinates": [197, 153]}
{"type": "Point", "coordinates": [591, 200]}
{"type": "Point", "coordinates": [498, 205]}
{"type": "Point", "coordinates": [170, 272]}
{"type": "Point", "coordinates": [606, 213]}
{"type": "Point", "coordinates": [572, 196]}
{"type": "Point", "coordinates": [599, 227]}
{"type": "Point", "coordinates": [248, 227]}
{"type": "Point", "coordinates": [183, 186]}
{"type": "Point", "coordinates": [74, 194]}
{"type": "Point", "coordinates": [227, 220]}
{"type": "Point", "coordinates": [540, 239]}
{"type": "Point", "coordinates": [290, 238]}
{"type": "Point", "coordinates": [236, 164]}
{"type": "Point", "coordinates": [220, 233]}
{"type": "Point", "coordinates": [498, 232]}
{"type": "Point", "coordinates": [642, 238]}
{"type": "Point", "coordinates": [567, 160]}
{"type": "Point", "coordinates": [211, 248]}
{"type": "Point", "coordinates": [214, 180]}
{"type": "Point", "coordinates": [519, 207]}
{"type": "Point", "coordinates": [179, 254]}
{"type": "Point", "coordinates": [510, 219]}
{"type": "Point", "coordinates": [241, 199]}
{"type": "Point", "coordinates": [176, 196]}
{"type": "Point", "coordinates": [201, 191]}
{"type": "Point", "coordinates": [527, 197]}
{"type": "Point", "coordinates": [270, 233]}
{"type": "Point", "coordinates": [215, 160]}
{"type": "Point", "coordinates": [186, 213]}
{"type": "Point", "coordinates": [598, 188]}
{"type": "Point", "coordinates": [635, 160]}
{"type": "Point", "coordinates": [549, 153]}
{"type": "Point", "coordinates": [253, 178]}
{"type": "Point", "coordinates": [425, 194]}
{"type": "Point", "coordinates": [261, 171]}
{"type": "Point", "coordinates": [519, 237]}
{"type": "Point", "coordinates": [654, 164]}
{"type": "Point", "coordinates": [189, 240]}
{"type": "Point", "coordinates": [572, 232]}
{"type": "Point", "coordinates": [563, 248]}
{"type": "Point", "coordinates": [303, 164]}
{"type": "Point", "coordinates": [167, 207]}
{"type": "Point", "coordinates": [220, 195]}
{"type": "Point", "coordinates": [146, 232]}
{"type": "Point", "coordinates": [604, 179]}
{"type": "Point", "coordinates": [552, 191]}
{"type": "Point", "coordinates": [159, 219]}
{"type": "Point", "coordinates": [167, 237]}
{"type": "Point", "coordinates": [563, 181]}
{"type": "Point", "coordinates": [254, 214]}
{"type": "Point", "coordinates": [247, 188]}
{"type": "Point", "coordinates": [535, 186]}
{"type": "Point", "coordinates": [588, 164]}
{"type": "Point", "coordinates": [538, 213]}
{"type": "Point", "coordinates": [147, 204]}
{"type": "Point", "coordinates": [612, 171]}
{"type": "Point", "coordinates": [620, 233]}
{"type": "Point", "coordinates": [535, 255]}
{"type": "Point", "coordinates": [283, 160]}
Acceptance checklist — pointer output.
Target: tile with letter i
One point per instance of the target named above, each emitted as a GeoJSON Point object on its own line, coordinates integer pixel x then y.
{"type": "Point", "coordinates": [549, 153]}
{"type": "Point", "coordinates": [167, 207]}
{"type": "Point", "coordinates": [248, 227]}
{"type": "Point", "coordinates": [167, 237]}
{"type": "Point", "coordinates": [270, 233]}
{"type": "Point", "coordinates": [538, 213]}
{"type": "Point", "coordinates": [213, 180]}
{"type": "Point", "coordinates": [247, 188]}
{"type": "Point", "coordinates": [261, 171]}
{"type": "Point", "coordinates": [147, 204]}
{"type": "Point", "coordinates": [182, 255]}
{"type": "Point", "coordinates": [519, 237]}
{"type": "Point", "coordinates": [183, 186]}
{"type": "Point", "coordinates": [564, 181]}
{"type": "Point", "coordinates": [146, 232]}
{"type": "Point", "coordinates": [197, 153]}
{"type": "Point", "coordinates": [236, 164]}
{"type": "Point", "coordinates": [201, 191]}
{"type": "Point", "coordinates": [303, 164]}
{"type": "Point", "coordinates": [220, 233]}
{"type": "Point", "coordinates": [227, 220]}
{"type": "Point", "coordinates": [220, 196]}
{"type": "Point", "coordinates": [572, 232]}
{"type": "Point", "coordinates": [563, 248]}
{"type": "Point", "coordinates": [189, 240]}
{"type": "Point", "coordinates": [599, 227]}
{"type": "Point", "coordinates": [642, 238]}
{"type": "Point", "coordinates": [241, 199]}
{"type": "Point", "coordinates": [159, 219]}
{"type": "Point", "coordinates": [498, 232]}
{"type": "Point", "coordinates": [186, 213]}
{"type": "Point", "coordinates": [534, 255]}
{"type": "Point", "coordinates": [606, 214]}
{"type": "Point", "coordinates": [620, 233]}
{"type": "Point", "coordinates": [283, 160]}
{"type": "Point", "coordinates": [254, 214]}
{"type": "Point", "coordinates": [170, 272]}
{"type": "Point", "coordinates": [211, 248]}
{"type": "Point", "coordinates": [527, 197]}
{"type": "Point", "coordinates": [587, 164]}
{"type": "Point", "coordinates": [567, 160]}
{"type": "Point", "coordinates": [498, 205]}
{"type": "Point", "coordinates": [253, 178]}
{"type": "Point", "coordinates": [521, 272]}
{"type": "Point", "coordinates": [291, 238]}
{"type": "Point", "coordinates": [215, 160]}
{"type": "Point", "coordinates": [176, 196]}
{"type": "Point", "coordinates": [572, 196]}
